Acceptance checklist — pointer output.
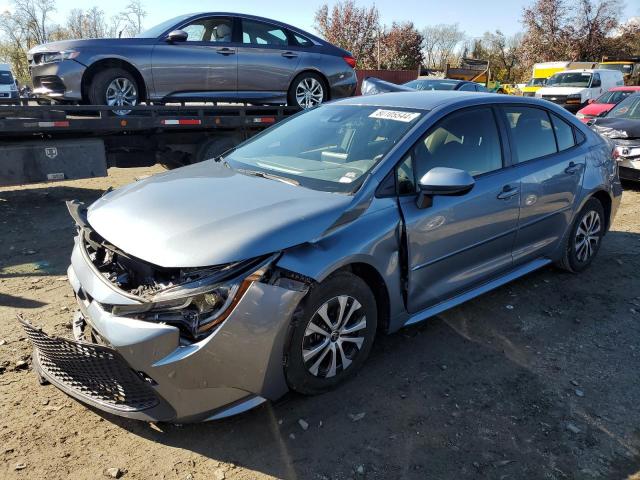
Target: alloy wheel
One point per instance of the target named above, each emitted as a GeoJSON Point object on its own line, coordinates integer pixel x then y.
{"type": "Point", "coordinates": [309, 93]}
{"type": "Point", "coordinates": [587, 236]}
{"type": "Point", "coordinates": [121, 92]}
{"type": "Point", "coordinates": [334, 336]}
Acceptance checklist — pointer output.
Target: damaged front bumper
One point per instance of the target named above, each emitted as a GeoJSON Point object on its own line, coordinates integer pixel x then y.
{"type": "Point", "coordinates": [150, 371]}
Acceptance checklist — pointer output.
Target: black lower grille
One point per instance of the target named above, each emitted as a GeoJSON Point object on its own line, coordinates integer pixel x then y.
{"type": "Point", "coordinates": [95, 372]}
{"type": "Point", "coordinates": [555, 98]}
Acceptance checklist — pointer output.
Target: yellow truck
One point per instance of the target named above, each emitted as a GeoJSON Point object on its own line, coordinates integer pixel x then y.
{"type": "Point", "coordinates": [542, 71]}
{"type": "Point", "coordinates": [629, 66]}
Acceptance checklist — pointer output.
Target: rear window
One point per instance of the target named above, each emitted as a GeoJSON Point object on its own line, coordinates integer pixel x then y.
{"type": "Point", "coordinates": [6, 78]}
{"type": "Point", "coordinates": [564, 133]}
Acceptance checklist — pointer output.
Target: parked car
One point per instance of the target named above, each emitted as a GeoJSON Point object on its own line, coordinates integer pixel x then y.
{"type": "Point", "coordinates": [204, 57]}
{"type": "Point", "coordinates": [8, 89]}
{"type": "Point", "coordinates": [574, 88]}
{"type": "Point", "coordinates": [205, 290]}
{"type": "Point", "coordinates": [605, 102]}
{"type": "Point", "coordinates": [374, 86]}
{"type": "Point", "coordinates": [622, 125]}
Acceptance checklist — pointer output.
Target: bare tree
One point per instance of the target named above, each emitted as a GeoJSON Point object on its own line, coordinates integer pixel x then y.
{"type": "Point", "coordinates": [440, 43]}
{"type": "Point", "coordinates": [132, 17]}
{"type": "Point", "coordinates": [353, 28]}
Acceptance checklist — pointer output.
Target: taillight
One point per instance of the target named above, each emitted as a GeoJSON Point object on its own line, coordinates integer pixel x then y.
{"type": "Point", "coordinates": [350, 61]}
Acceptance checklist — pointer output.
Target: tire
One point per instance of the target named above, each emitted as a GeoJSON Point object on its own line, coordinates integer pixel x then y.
{"type": "Point", "coordinates": [315, 375]}
{"type": "Point", "coordinates": [115, 83]}
{"type": "Point", "coordinates": [592, 221]}
{"type": "Point", "coordinates": [311, 82]}
{"type": "Point", "coordinates": [215, 146]}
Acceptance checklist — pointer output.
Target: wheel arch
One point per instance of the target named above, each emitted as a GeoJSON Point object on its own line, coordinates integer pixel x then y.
{"type": "Point", "coordinates": [607, 204]}
{"type": "Point", "coordinates": [112, 62]}
{"type": "Point", "coordinates": [324, 78]}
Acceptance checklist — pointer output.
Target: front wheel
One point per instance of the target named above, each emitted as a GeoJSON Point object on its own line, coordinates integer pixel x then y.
{"type": "Point", "coordinates": [307, 90]}
{"type": "Point", "coordinates": [333, 334]}
{"type": "Point", "coordinates": [585, 237]}
{"type": "Point", "coordinates": [114, 87]}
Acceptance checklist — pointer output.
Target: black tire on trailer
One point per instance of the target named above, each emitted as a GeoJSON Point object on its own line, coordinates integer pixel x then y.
{"type": "Point", "coordinates": [307, 90]}
{"type": "Point", "coordinates": [116, 87]}
{"type": "Point", "coordinates": [215, 146]}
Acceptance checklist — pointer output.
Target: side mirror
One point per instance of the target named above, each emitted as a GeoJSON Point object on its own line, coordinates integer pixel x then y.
{"type": "Point", "coordinates": [591, 100]}
{"type": "Point", "coordinates": [443, 181]}
{"type": "Point", "coordinates": [596, 83]}
{"type": "Point", "coordinates": [177, 36]}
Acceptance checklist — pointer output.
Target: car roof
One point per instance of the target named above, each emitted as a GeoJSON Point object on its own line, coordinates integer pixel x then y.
{"type": "Point", "coordinates": [626, 88]}
{"type": "Point", "coordinates": [428, 100]}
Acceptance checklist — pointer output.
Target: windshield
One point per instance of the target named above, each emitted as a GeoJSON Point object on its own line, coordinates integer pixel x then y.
{"type": "Point", "coordinates": [625, 68]}
{"type": "Point", "coordinates": [613, 97]}
{"type": "Point", "coordinates": [628, 108]}
{"type": "Point", "coordinates": [159, 29]}
{"type": "Point", "coordinates": [329, 148]}
{"type": "Point", "coordinates": [570, 79]}
{"type": "Point", "coordinates": [6, 78]}
{"type": "Point", "coordinates": [432, 84]}
{"type": "Point", "coordinates": [536, 82]}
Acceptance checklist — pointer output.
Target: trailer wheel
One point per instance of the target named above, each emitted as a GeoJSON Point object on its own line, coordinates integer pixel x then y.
{"type": "Point", "coordinates": [114, 87]}
{"type": "Point", "coordinates": [213, 147]}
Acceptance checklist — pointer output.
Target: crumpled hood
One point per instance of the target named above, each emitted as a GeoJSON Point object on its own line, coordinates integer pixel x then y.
{"type": "Point", "coordinates": [560, 90]}
{"type": "Point", "coordinates": [617, 127]}
{"type": "Point", "coordinates": [208, 214]}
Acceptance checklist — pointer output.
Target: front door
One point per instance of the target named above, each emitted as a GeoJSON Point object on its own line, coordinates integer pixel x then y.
{"type": "Point", "coordinates": [266, 59]}
{"type": "Point", "coordinates": [206, 62]}
{"type": "Point", "coordinates": [460, 241]}
{"type": "Point", "coordinates": [550, 163]}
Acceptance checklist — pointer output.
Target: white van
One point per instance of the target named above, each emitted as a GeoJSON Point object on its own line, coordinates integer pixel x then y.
{"type": "Point", "coordinates": [574, 88]}
{"type": "Point", "coordinates": [8, 87]}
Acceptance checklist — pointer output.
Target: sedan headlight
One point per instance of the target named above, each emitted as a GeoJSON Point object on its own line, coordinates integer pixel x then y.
{"type": "Point", "coordinates": [623, 151]}
{"type": "Point", "coordinates": [52, 57]}
{"type": "Point", "coordinates": [196, 307]}
{"type": "Point", "coordinates": [580, 115]}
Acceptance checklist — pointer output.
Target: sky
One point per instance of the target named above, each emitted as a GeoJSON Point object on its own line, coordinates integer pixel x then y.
{"type": "Point", "coordinates": [473, 16]}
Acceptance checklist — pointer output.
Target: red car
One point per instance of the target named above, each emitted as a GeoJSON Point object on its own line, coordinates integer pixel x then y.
{"type": "Point", "coordinates": [605, 102]}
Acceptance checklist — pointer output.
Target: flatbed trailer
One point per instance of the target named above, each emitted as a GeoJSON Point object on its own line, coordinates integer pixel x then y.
{"type": "Point", "coordinates": [63, 142]}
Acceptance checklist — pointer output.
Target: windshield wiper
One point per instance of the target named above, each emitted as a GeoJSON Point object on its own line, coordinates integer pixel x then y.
{"type": "Point", "coordinates": [268, 176]}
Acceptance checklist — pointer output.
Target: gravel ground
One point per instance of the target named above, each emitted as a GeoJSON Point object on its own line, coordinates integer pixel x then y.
{"type": "Point", "coordinates": [535, 380]}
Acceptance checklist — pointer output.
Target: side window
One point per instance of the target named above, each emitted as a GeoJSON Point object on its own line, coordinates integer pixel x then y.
{"type": "Point", "coordinates": [596, 82]}
{"type": "Point", "coordinates": [531, 132]}
{"type": "Point", "coordinates": [302, 41]}
{"type": "Point", "coordinates": [467, 140]}
{"type": "Point", "coordinates": [258, 33]}
{"type": "Point", "coordinates": [405, 178]}
{"type": "Point", "coordinates": [564, 133]}
{"type": "Point", "coordinates": [217, 30]}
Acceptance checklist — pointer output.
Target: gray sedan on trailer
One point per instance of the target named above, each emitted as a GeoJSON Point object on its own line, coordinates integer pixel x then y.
{"type": "Point", "coordinates": [225, 57]}
{"type": "Point", "coordinates": [207, 290]}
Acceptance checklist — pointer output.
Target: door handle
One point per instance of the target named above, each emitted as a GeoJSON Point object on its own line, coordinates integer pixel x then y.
{"type": "Point", "coordinates": [572, 168]}
{"type": "Point", "coordinates": [289, 55]}
{"type": "Point", "coordinates": [507, 192]}
{"type": "Point", "coordinates": [225, 51]}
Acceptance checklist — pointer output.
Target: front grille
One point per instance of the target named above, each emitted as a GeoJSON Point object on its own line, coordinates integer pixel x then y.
{"type": "Point", "coordinates": [556, 98]}
{"type": "Point", "coordinates": [95, 372]}
{"type": "Point", "coordinates": [5, 95]}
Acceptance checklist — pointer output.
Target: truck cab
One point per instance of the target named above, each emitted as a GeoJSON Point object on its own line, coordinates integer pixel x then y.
{"type": "Point", "coordinates": [629, 67]}
{"type": "Point", "coordinates": [543, 71]}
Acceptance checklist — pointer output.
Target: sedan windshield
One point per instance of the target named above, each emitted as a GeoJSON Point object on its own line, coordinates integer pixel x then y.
{"type": "Point", "coordinates": [613, 97]}
{"type": "Point", "coordinates": [628, 108]}
{"type": "Point", "coordinates": [572, 79]}
{"type": "Point", "coordinates": [159, 29]}
{"type": "Point", "coordinates": [432, 84]}
{"type": "Point", "coordinates": [330, 148]}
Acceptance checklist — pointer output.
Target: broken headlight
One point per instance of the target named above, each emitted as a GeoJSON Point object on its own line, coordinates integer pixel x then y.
{"type": "Point", "coordinates": [197, 307]}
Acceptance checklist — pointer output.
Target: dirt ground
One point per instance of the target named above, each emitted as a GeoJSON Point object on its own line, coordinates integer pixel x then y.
{"type": "Point", "coordinates": [539, 379]}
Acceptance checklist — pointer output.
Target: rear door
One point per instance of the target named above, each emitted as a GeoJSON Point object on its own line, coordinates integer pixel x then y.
{"type": "Point", "coordinates": [459, 241]}
{"type": "Point", "coordinates": [267, 57]}
{"type": "Point", "coordinates": [550, 163]}
{"type": "Point", "coordinates": [206, 62]}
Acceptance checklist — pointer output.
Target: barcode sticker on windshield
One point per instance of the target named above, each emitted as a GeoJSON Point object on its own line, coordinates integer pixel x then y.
{"type": "Point", "coordinates": [397, 115]}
